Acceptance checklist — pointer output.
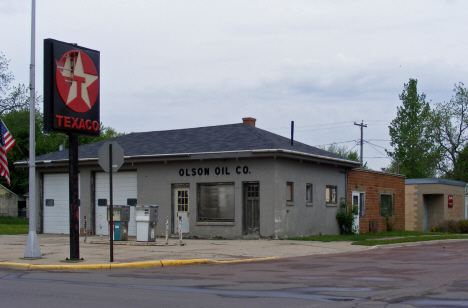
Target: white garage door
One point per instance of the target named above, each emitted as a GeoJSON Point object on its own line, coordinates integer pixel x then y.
{"type": "Point", "coordinates": [125, 191]}
{"type": "Point", "coordinates": [56, 200]}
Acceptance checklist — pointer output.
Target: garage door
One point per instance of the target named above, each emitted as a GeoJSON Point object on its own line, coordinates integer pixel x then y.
{"type": "Point", "coordinates": [56, 200]}
{"type": "Point", "coordinates": [125, 192]}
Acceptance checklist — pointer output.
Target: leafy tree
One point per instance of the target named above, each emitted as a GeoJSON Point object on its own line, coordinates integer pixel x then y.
{"type": "Point", "coordinates": [460, 170]}
{"type": "Point", "coordinates": [343, 151]}
{"type": "Point", "coordinates": [18, 125]}
{"type": "Point", "coordinates": [450, 132]}
{"type": "Point", "coordinates": [411, 136]}
{"type": "Point", "coordinates": [18, 97]}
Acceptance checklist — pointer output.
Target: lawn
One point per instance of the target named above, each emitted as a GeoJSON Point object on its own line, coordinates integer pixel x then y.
{"type": "Point", "coordinates": [10, 225]}
{"type": "Point", "coordinates": [392, 237]}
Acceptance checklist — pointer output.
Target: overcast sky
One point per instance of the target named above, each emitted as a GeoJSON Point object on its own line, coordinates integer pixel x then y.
{"type": "Point", "coordinates": [322, 64]}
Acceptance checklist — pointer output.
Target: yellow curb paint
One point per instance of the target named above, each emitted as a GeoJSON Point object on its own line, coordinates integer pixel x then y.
{"type": "Point", "coordinates": [247, 260]}
{"type": "Point", "coordinates": [137, 264]}
{"type": "Point", "coordinates": [126, 265]}
{"type": "Point", "coordinates": [10, 264]}
{"type": "Point", "coordinates": [69, 267]}
{"type": "Point", "coordinates": [186, 262]}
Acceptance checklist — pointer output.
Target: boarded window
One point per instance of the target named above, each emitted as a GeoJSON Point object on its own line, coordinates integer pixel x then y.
{"type": "Point", "coordinates": [289, 191]}
{"type": "Point", "coordinates": [216, 202]}
{"type": "Point", "coordinates": [102, 202]}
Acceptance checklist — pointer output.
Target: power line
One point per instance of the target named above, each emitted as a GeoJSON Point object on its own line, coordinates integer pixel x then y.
{"type": "Point", "coordinates": [321, 145]}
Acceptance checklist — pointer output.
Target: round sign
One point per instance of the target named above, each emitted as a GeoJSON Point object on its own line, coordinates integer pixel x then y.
{"type": "Point", "coordinates": [77, 81]}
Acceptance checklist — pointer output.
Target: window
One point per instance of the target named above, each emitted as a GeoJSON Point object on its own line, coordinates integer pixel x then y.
{"type": "Point", "coordinates": [132, 201]}
{"type": "Point", "coordinates": [49, 202]}
{"type": "Point", "coordinates": [309, 194]}
{"type": "Point", "coordinates": [331, 193]}
{"type": "Point", "coordinates": [216, 202]}
{"type": "Point", "coordinates": [386, 205]}
{"type": "Point", "coordinates": [182, 200]}
{"type": "Point", "coordinates": [102, 202]}
{"type": "Point", "coordinates": [289, 192]}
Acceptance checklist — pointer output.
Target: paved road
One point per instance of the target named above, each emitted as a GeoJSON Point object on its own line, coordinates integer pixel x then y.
{"type": "Point", "coordinates": [427, 275]}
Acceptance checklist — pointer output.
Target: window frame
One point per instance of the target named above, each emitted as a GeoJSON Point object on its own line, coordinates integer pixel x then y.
{"type": "Point", "coordinates": [215, 220]}
{"type": "Point", "coordinates": [309, 194]}
{"type": "Point", "coordinates": [290, 201]}
{"type": "Point", "coordinates": [328, 190]}
{"type": "Point", "coordinates": [392, 205]}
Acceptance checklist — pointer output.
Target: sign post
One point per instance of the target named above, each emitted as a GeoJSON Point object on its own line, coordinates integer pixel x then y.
{"type": "Point", "coordinates": [111, 158]}
{"type": "Point", "coordinates": [71, 106]}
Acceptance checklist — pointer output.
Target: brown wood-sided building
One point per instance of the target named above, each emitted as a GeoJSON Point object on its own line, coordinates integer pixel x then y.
{"type": "Point", "coordinates": [380, 196]}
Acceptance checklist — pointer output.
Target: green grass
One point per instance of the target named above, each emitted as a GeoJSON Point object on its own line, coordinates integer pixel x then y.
{"type": "Point", "coordinates": [392, 237]}
{"type": "Point", "coordinates": [361, 237]}
{"type": "Point", "coordinates": [411, 239]}
{"type": "Point", "coordinates": [13, 221]}
{"type": "Point", "coordinates": [13, 225]}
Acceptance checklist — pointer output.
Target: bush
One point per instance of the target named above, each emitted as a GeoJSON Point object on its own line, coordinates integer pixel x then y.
{"type": "Point", "coordinates": [345, 217]}
{"type": "Point", "coordinates": [452, 226]}
{"type": "Point", "coordinates": [463, 226]}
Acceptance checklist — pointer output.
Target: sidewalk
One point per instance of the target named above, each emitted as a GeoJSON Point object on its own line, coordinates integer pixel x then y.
{"type": "Point", "coordinates": [55, 250]}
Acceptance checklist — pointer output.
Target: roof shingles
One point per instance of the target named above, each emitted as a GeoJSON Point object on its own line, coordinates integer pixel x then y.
{"type": "Point", "coordinates": [222, 138]}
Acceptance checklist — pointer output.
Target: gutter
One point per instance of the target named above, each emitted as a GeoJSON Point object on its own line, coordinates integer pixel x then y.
{"type": "Point", "coordinates": [204, 153]}
{"type": "Point", "coordinates": [309, 155]}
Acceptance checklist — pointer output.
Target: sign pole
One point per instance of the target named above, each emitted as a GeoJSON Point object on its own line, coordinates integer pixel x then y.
{"type": "Point", "coordinates": [73, 196]}
{"type": "Point", "coordinates": [32, 245]}
{"type": "Point", "coordinates": [111, 207]}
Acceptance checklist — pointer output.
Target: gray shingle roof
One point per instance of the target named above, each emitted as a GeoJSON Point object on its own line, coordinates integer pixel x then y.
{"type": "Point", "coordinates": [222, 138]}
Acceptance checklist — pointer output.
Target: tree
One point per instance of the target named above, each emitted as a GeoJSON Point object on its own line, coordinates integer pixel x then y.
{"type": "Point", "coordinates": [343, 151]}
{"type": "Point", "coordinates": [460, 170]}
{"type": "Point", "coordinates": [18, 125]}
{"type": "Point", "coordinates": [411, 135]}
{"type": "Point", "coordinates": [450, 132]}
{"type": "Point", "coordinates": [18, 97]}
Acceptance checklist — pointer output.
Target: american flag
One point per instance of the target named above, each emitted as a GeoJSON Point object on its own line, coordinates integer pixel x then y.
{"type": "Point", "coordinates": [6, 143]}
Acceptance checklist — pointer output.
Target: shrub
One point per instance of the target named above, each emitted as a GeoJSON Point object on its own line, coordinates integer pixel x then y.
{"type": "Point", "coordinates": [463, 226]}
{"type": "Point", "coordinates": [345, 217]}
{"type": "Point", "coordinates": [452, 226]}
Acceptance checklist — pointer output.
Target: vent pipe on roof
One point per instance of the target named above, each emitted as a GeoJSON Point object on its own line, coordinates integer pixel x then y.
{"type": "Point", "coordinates": [292, 132]}
{"type": "Point", "coordinates": [249, 121]}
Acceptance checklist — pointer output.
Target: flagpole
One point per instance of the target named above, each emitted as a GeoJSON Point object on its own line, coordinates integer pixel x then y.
{"type": "Point", "coordinates": [32, 246]}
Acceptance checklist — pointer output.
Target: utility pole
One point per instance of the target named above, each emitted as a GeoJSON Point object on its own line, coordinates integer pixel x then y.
{"type": "Point", "coordinates": [362, 138]}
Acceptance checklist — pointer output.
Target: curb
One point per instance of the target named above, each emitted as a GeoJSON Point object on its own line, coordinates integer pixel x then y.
{"type": "Point", "coordinates": [146, 264]}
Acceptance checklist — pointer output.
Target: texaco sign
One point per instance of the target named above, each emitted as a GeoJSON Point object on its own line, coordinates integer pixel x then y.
{"type": "Point", "coordinates": [71, 89]}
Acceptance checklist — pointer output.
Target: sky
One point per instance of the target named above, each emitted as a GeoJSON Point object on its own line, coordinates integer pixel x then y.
{"type": "Point", "coordinates": [323, 64]}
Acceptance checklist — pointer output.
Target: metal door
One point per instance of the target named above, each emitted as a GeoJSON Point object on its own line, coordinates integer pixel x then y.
{"type": "Point", "coordinates": [181, 209]}
{"type": "Point", "coordinates": [251, 217]}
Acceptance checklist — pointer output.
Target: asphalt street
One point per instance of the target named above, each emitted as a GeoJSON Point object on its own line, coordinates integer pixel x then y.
{"type": "Point", "coordinates": [424, 275]}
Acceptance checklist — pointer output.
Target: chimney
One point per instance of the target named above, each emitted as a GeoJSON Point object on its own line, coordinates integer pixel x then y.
{"type": "Point", "coordinates": [249, 121]}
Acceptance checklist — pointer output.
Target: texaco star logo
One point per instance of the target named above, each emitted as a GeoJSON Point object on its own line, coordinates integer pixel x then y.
{"type": "Point", "coordinates": [77, 81]}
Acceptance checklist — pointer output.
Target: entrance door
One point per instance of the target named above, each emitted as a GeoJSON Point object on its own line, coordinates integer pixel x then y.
{"type": "Point", "coordinates": [358, 198]}
{"type": "Point", "coordinates": [251, 217]}
{"type": "Point", "coordinates": [181, 209]}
